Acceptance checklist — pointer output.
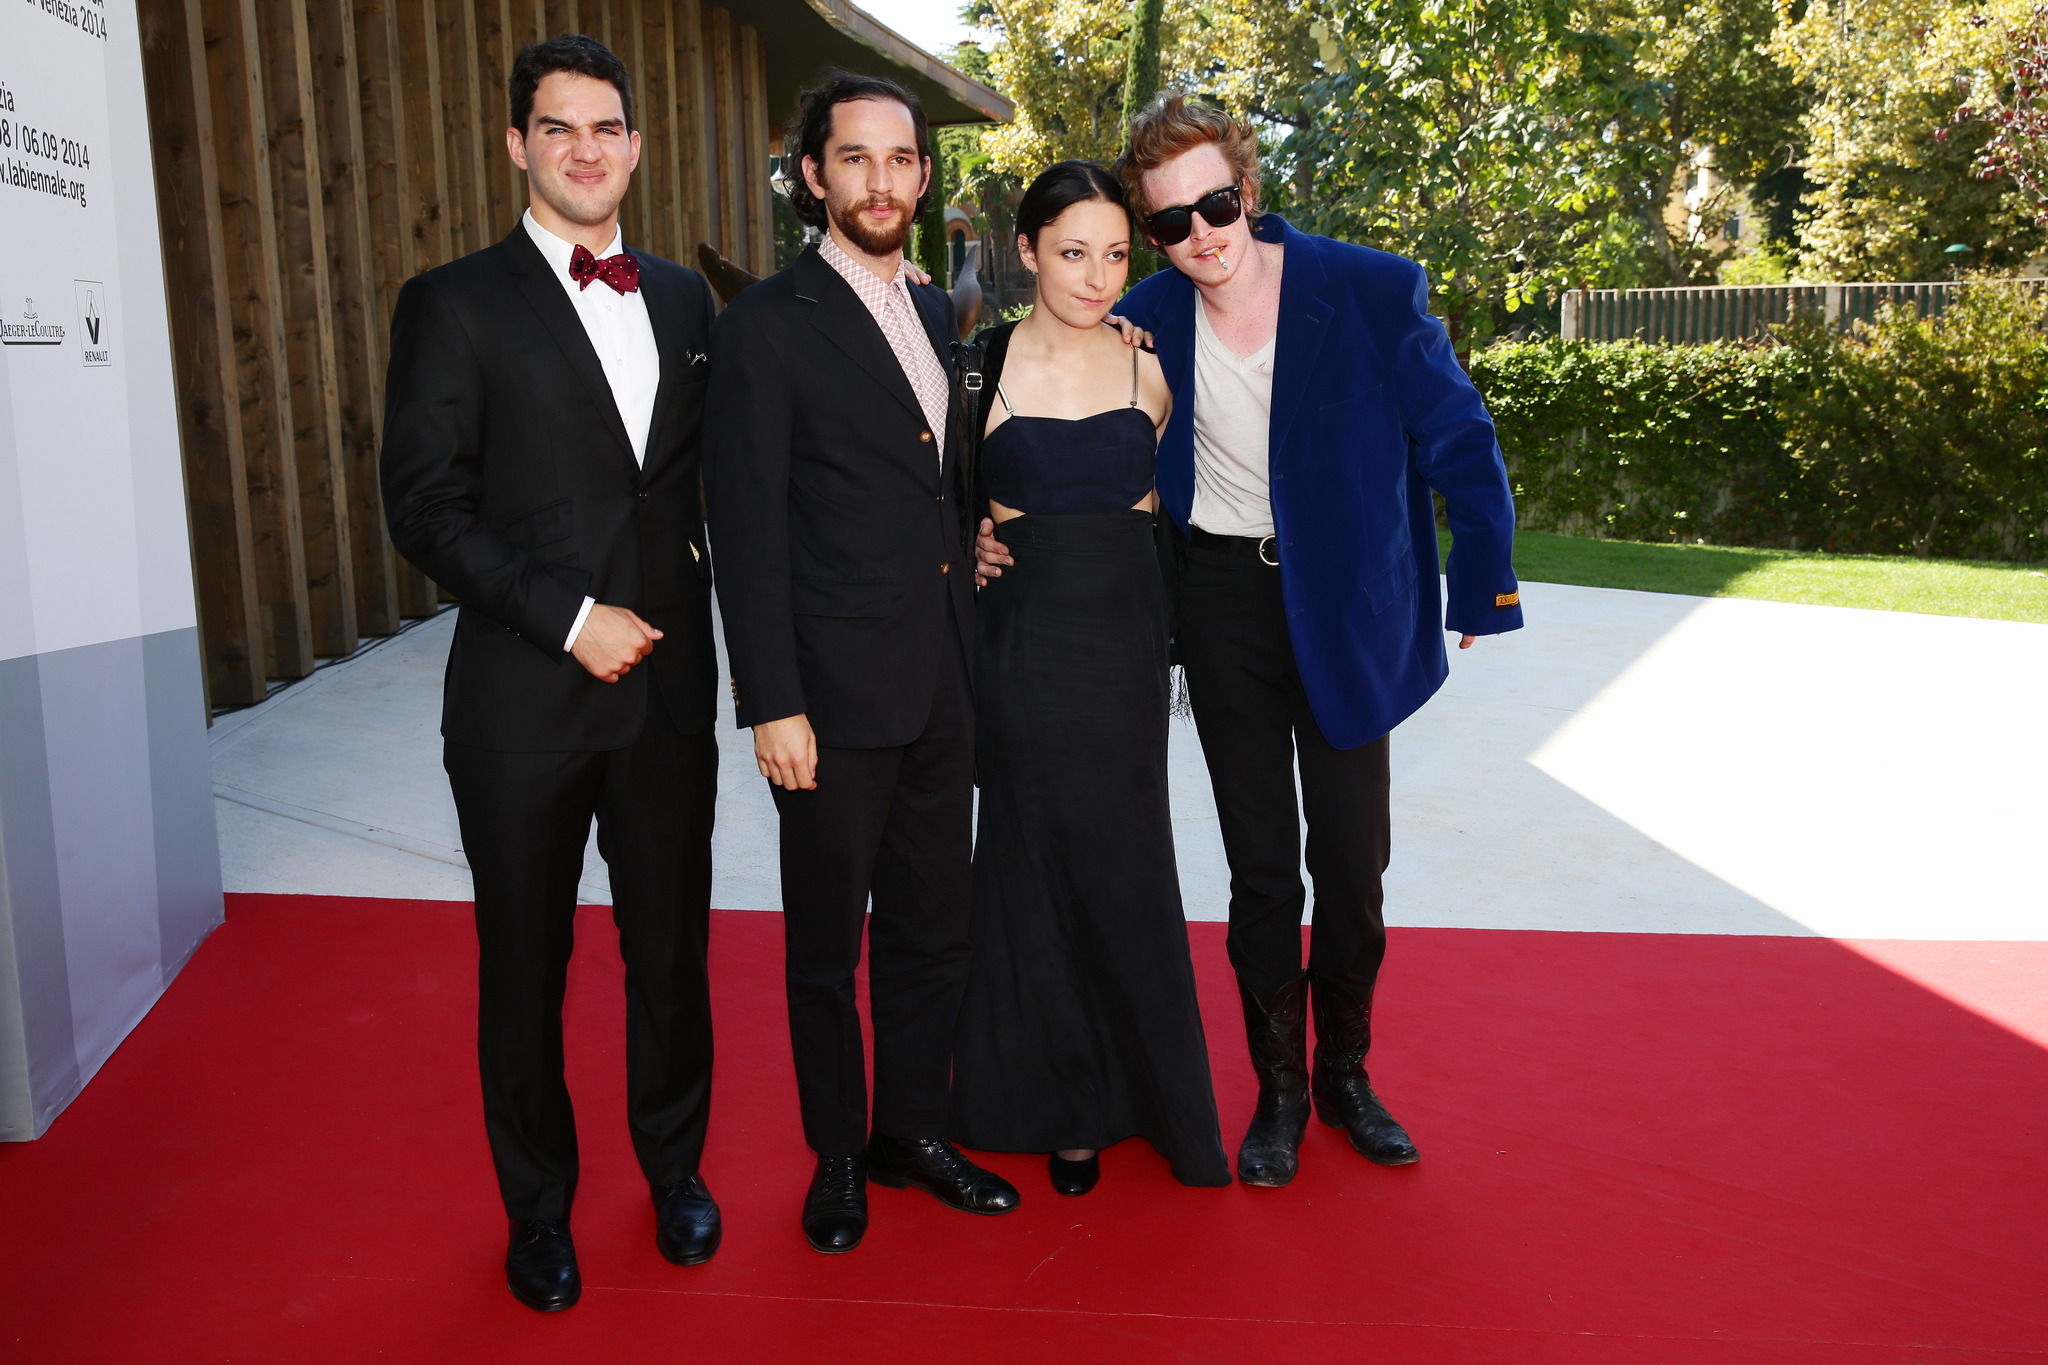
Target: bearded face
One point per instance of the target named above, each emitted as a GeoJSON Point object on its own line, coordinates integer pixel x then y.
{"type": "Point", "coordinates": [871, 175]}
{"type": "Point", "coordinates": [877, 224]}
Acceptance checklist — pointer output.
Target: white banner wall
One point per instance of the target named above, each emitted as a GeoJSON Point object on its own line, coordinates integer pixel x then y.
{"type": "Point", "coordinates": [109, 864]}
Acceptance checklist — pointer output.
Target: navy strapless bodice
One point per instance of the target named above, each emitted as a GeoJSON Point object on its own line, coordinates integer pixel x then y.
{"type": "Point", "coordinates": [1054, 466]}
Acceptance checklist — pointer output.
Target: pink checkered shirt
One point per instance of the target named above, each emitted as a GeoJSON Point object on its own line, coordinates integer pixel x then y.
{"type": "Point", "coordinates": [897, 316]}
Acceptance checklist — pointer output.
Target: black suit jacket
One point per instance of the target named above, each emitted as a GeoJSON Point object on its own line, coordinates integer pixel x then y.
{"type": "Point", "coordinates": [838, 538]}
{"type": "Point", "coordinates": [509, 479]}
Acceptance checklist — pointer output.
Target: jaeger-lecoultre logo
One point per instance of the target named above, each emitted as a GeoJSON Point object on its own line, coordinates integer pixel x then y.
{"type": "Point", "coordinates": [31, 330]}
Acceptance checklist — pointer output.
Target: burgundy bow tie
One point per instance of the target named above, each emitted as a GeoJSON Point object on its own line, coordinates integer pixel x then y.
{"type": "Point", "coordinates": [621, 272]}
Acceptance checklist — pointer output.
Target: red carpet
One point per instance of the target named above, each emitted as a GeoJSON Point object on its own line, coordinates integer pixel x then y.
{"type": "Point", "coordinates": [1637, 1148]}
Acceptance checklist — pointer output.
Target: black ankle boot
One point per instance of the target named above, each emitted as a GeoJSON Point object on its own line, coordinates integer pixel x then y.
{"type": "Point", "coordinates": [1277, 1033]}
{"type": "Point", "coordinates": [1344, 1095]}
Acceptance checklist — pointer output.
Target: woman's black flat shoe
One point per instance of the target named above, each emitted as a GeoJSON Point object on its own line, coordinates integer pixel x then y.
{"type": "Point", "coordinates": [1073, 1177]}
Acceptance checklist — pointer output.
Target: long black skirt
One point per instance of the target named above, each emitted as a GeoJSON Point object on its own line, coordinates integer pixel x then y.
{"type": "Point", "coordinates": [1079, 1027]}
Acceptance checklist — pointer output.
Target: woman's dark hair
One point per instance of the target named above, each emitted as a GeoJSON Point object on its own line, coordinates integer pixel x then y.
{"type": "Point", "coordinates": [813, 124]}
{"type": "Point", "coordinates": [574, 53]}
{"type": "Point", "coordinates": [1058, 188]}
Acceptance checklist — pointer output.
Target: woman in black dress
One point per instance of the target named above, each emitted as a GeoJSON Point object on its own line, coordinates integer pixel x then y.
{"type": "Point", "coordinates": [1079, 1027]}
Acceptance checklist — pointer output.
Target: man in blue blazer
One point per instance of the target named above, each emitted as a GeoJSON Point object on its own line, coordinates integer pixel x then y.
{"type": "Point", "coordinates": [1317, 405]}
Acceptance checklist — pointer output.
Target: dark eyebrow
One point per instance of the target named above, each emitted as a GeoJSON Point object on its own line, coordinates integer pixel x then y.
{"type": "Point", "coordinates": [551, 121]}
{"type": "Point", "coordinates": [845, 147]}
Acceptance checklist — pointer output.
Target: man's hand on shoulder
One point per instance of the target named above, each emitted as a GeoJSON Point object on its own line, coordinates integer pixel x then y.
{"type": "Point", "coordinates": [612, 640]}
{"type": "Point", "coordinates": [786, 751]}
{"type": "Point", "coordinates": [1132, 333]}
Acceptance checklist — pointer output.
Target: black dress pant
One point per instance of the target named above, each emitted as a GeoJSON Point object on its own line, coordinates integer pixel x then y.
{"type": "Point", "coordinates": [525, 819]}
{"type": "Point", "coordinates": [898, 825]}
{"type": "Point", "coordinates": [1256, 727]}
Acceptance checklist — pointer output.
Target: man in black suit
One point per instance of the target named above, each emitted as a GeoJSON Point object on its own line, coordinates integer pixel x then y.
{"type": "Point", "coordinates": [829, 459]}
{"type": "Point", "coordinates": [541, 455]}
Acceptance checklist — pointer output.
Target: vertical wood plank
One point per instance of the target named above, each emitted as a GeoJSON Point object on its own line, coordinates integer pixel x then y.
{"type": "Point", "coordinates": [724, 216]}
{"type": "Point", "coordinates": [419, 65]}
{"type": "Point", "coordinates": [307, 313]}
{"type": "Point", "coordinates": [562, 17]}
{"type": "Point", "coordinates": [660, 151]}
{"type": "Point", "coordinates": [360, 328]}
{"type": "Point", "coordinates": [692, 209]}
{"type": "Point", "coordinates": [461, 115]}
{"type": "Point", "coordinates": [249, 222]}
{"type": "Point", "coordinates": [388, 170]}
{"type": "Point", "coordinates": [392, 200]}
{"type": "Point", "coordinates": [753, 152]}
{"type": "Point", "coordinates": [203, 351]}
{"type": "Point", "coordinates": [503, 184]}
{"type": "Point", "coordinates": [628, 29]}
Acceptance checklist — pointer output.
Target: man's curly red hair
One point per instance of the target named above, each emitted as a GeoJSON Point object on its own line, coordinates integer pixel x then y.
{"type": "Point", "coordinates": [1170, 125]}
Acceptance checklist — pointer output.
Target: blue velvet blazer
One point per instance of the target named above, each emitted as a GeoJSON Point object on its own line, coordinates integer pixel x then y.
{"type": "Point", "coordinates": [1371, 411]}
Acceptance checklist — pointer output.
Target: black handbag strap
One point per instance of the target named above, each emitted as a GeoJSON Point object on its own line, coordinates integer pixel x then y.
{"type": "Point", "coordinates": [968, 359]}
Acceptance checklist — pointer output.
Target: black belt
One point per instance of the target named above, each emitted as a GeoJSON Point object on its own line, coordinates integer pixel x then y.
{"type": "Point", "coordinates": [1265, 549]}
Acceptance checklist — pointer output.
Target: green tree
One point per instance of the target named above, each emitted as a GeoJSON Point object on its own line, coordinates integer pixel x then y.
{"type": "Point", "coordinates": [1483, 139]}
{"type": "Point", "coordinates": [1141, 76]}
{"type": "Point", "coordinates": [1065, 64]}
{"type": "Point", "coordinates": [1717, 87]}
{"type": "Point", "coordinates": [2010, 95]}
{"type": "Point", "coordinates": [1887, 196]}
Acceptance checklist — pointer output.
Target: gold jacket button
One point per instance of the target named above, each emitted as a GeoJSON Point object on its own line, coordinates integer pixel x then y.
{"type": "Point", "coordinates": [946, 567]}
{"type": "Point", "coordinates": [925, 436]}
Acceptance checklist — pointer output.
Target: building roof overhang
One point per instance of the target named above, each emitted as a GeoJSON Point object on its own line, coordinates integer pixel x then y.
{"type": "Point", "coordinates": [803, 39]}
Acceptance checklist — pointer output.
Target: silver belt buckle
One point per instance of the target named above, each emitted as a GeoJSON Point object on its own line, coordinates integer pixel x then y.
{"type": "Point", "coordinates": [1274, 562]}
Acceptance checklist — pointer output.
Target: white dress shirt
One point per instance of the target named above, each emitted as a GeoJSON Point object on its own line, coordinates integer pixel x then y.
{"type": "Point", "coordinates": [623, 337]}
{"type": "Point", "coordinates": [1233, 422]}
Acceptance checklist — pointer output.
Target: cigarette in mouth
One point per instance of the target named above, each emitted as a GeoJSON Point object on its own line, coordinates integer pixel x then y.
{"type": "Point", "coordinates": [1217, 252]}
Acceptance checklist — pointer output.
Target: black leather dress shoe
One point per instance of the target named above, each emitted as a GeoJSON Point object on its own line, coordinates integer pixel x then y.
{"type": "Point", "coordinates": [540, 1265]}
{"type": "Point", "coordinates": [1073, 1177]}
{"type": "Point", "coordinates": [1344, 1096]}
{"type": "Point", "coordinates": [836, 1208]}
{"type": "Point", "coordinates": [687, 1228]}
{"type": "Point", "coordinates": [937, 1166]}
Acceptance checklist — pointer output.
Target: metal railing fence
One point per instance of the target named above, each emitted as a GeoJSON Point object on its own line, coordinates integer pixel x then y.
{"type": "Point", "coordinates": [1738, 312]}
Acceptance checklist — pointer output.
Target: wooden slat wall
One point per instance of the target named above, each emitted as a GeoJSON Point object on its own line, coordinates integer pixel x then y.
{"type": "Point", "coordinates": [209, 418]}
{"type": "Point", "coordinates": [695, 152]}
{"type": "Point", "coordinates": [358, 337]}
{"type": "Point", "coordinates": [751, 169]}
{"type": "Point", "coordinates": [313, 155]}
{"type": "Point", "coordinates": [306, 313]}
{"type": "Point", "coordinates": [249, 221]}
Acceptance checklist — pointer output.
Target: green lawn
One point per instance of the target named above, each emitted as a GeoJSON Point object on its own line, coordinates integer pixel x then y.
{"type": "Point", "coordinates": [1942, 587]}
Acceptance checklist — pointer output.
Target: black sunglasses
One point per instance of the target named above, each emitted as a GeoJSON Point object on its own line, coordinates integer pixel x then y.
{"type": "Point", "coordinates": [1219, 208]}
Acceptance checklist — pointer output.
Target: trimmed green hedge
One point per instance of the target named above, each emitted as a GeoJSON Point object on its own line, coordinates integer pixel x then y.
{"type": "Point", "coordinates": [1907, 436]}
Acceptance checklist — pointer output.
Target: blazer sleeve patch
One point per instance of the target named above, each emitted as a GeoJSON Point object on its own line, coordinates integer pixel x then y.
{"type": "Point", "coordinates": [1508, 599]}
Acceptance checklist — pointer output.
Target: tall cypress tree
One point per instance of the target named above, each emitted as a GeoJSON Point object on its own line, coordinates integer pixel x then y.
{"type": "Point", "coordinates": [1141, 76]}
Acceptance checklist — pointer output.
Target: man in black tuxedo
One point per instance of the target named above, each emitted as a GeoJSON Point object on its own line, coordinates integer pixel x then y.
{"type": "Point", "coordinates": [541, 454]}
{"type": "Point", "coordinates": [830, 444]}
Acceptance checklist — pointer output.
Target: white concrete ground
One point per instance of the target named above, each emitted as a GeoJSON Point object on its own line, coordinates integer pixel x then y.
{"type": "Point", "coordinates": [1631, 761]}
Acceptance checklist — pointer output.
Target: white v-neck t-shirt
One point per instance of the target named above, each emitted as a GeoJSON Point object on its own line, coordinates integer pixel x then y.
{"type": "Point", "coordinates": [1233, 423]}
